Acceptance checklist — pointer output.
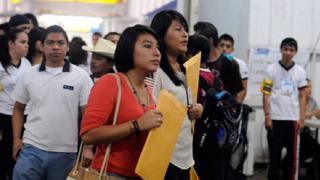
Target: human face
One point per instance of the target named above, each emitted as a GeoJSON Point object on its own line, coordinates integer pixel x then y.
{"type": "Point", "coordinates": [225, 46]}
{"type": "Point", "coordinates": [176, 38]}
{"type": "Point", "coordinates": [308, 89]}
{"type": "Point", "coordinates": [100, 65]}
{"type": "Point", "coordinates": [20, 46]}
{"type": "Point", "coordinates": [146, 55]}
{"type": "Point", "coordinates": [113, 38]}
{"type": "Point", "coordinates": [288, 52]}
{"type": "Point", "coordinates": [95, 39]}
{"type": "Point", "coordinates": [55, 47]}
{"type": "Point", "coordinates": [25, 27]}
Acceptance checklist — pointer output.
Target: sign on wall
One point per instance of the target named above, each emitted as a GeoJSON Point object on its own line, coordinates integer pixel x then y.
{"type": "Point", "coordinates": [260, 58]}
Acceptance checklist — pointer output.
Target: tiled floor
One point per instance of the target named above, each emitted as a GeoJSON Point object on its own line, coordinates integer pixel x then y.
{"type": "Point", "coordinates": [260, 172]}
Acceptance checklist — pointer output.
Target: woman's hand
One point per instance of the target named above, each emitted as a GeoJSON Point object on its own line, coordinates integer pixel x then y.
{"type": "Point", "coordinates": [151, 119]}
{"type": "Point", "coordinates": [195, 111]}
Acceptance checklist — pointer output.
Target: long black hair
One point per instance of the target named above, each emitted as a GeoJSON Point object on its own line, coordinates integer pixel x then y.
{"type": "Point", "coordinates": [5, 57]}
{"type": "Point", "coordinates": [161, 23]}
{"type": "Point", "coordinates": [35, 35]}
{"type": "Point", "coordinates": [76, 54]}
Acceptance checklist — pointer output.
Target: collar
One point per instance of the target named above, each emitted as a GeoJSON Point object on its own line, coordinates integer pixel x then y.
{"type": "Point", "coordinates": [286, 68]}
{"type": "Point", "coordinates": [66, 66]}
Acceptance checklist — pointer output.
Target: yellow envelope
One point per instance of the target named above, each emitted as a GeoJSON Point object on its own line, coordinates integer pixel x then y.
{"type": "Point", "coordinates": [192, 72]}
{"type": "Point", "coordinates": [157, 151]}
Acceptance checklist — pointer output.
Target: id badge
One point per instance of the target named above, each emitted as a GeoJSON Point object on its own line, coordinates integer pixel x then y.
{"type": "Point", "coordinates": [287, 87]}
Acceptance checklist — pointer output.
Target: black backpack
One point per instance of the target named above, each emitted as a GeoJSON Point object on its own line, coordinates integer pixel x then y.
{"type": "Point", "coordinates": [222, 117]}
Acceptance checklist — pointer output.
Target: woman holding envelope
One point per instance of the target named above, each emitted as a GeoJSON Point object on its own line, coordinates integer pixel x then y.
{"type": "Point", "coordinates": [172, 28]}
{"type": "Point", "coordinates": [137, 55]}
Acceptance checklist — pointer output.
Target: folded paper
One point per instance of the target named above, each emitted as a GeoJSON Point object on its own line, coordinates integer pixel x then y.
{"type": "Point", "coordinates": [192, 72]}
{"type": "Point", "coordinates": [157, 151]}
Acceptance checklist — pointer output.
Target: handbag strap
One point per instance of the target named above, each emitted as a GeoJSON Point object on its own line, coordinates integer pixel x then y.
{"type": "Point", "coordinates": [107, 154]}
{"type": "Point", "coordinates": [115, 118]}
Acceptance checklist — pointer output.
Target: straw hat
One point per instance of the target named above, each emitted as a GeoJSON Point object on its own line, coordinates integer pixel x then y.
{"type": "Point", "coordinates": [103, 47]}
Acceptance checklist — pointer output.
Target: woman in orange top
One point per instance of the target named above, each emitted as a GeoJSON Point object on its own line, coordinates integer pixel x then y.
{"type": "Point", "coordinates": [137, 55]}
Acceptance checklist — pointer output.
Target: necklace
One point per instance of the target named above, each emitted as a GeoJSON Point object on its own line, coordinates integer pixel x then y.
{"type": "Point", "coordinates": [135, 92]}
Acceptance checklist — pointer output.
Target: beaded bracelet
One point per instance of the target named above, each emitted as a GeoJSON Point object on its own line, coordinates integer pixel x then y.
{"type": "Point", "coordinates": [136, 126]}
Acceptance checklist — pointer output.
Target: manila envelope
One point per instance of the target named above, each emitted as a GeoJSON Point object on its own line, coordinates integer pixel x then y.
{"type": "Point", "coordinates": [192, 72]}
{"type": "Point", "coordinates": [157, 151]}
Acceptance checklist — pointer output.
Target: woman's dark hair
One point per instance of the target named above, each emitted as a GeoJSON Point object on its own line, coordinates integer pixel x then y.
{"type": "Point", "coordinates": [125, 49]}
{"type": "Point", "coordinates": [161, 23]}
{"type": "Point", "coordinates": [77, 55]}
{"type": "Point", "coordinates": [33, 19]}
{"type": "Point", "coordinates": [197, 43]}
{"type": "Point", "coordinates": [36, 34]}
{"type": "Point", "coordinates": [4, 54]}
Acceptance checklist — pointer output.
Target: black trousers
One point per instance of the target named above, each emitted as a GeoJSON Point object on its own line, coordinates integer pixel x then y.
{"type": "Point", "coordinates": [284, 134]}
{"type": "Point", "coordinates": [175, 173]}
{"type": "Point", "coordinates": [6, 142]}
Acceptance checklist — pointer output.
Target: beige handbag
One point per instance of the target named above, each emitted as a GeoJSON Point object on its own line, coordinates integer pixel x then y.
{"type": "Point", "coordinates": [81, 173]}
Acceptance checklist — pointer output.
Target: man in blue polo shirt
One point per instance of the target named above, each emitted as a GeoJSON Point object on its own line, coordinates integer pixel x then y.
{"type": "Point", "coordinates": [55, 89]}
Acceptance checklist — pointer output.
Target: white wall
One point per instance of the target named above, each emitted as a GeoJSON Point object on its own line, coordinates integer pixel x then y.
{"type": "Point", "coordinates": [230, 17]}
{"type": "Point", "coordinates": [261, 23]}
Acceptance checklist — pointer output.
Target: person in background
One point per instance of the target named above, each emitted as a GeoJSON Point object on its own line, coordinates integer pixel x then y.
{"type": "Point", "coordinates": [33, 20]}
{"type": "Point", "coordinates": [19, 21]}
{"type": "Point", "coordinates": [95, 37]}
{"type": "Point", "coordinates": [35, 53]}
{"type": "Point", "coordinates": [13, 65]}
{"type": "Point", "coordinates": [138, 53]}
{"type": "Point", "coordinates": [284, 102]}
{"type": "Point", "coordinates": [113, 37]}
{"type": "Point", "coordinates": [226, 44]}
{"type": "Point", "coordinates": [172, 28]}
{"type": "Point", "coordinates": [102, 58]}
{"type": "Point", "coordinates": [308, 144]}
{"type": "Point", "coordinates": [3, 29]}
{"type": "Point", "coordinates": [312, 109]}
{"type": "Point", "coordinates": [77, 55]}
{"type": "Point", "coordinates": [227, 67]}
{"type": "Point", "coordinates": [55, 89]}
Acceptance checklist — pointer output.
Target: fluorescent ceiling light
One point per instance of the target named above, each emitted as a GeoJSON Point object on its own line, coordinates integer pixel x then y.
{"type": "Point", "coordinates": [71, 23]}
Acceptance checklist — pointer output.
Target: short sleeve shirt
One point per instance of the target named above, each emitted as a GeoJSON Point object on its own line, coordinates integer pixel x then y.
{"type": "Point", "coordinates": [229, 72]}
{"type": "Point", "coordinates": [124, 153]}
{"type": "Point", "coordinates": [284, 96]}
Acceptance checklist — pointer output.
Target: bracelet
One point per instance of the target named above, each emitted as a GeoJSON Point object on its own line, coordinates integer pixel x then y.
{"type": "Point", "coordinates": [136, 127]}
{"type": "Point", "coordinates": [266, 114]}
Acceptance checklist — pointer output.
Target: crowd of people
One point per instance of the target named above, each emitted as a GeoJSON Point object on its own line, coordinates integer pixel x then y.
{"type": "Point", "coordinates": [54, 92]}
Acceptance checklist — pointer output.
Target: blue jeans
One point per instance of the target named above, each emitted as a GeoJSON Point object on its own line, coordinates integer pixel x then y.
{"type": "Point", "coordinates": [37, 164]}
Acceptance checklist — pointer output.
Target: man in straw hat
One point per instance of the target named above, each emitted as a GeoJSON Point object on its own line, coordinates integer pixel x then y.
{"type": "Point", "coordinates": [102, 58]}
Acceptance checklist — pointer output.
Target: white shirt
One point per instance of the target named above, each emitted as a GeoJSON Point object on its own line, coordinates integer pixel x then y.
{"type": "Point", "coordinates": [182, 156]}
{"type": "Point", "coordinates": [284, 97]}
{"type": "Point", "coordinates": [243, 68]}
{"type": "Point", "coordinates": [8, 82]}
{"type": "Point", "coordinates": [55, 95]}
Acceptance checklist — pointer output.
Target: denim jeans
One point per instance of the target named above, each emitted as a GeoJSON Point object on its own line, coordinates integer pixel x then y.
{"type": "Point", "coordinates": [37, 164]}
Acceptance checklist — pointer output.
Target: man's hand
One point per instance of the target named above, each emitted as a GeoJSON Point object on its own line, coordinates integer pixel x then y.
{"type": "Point", "coordinates": [87, 155]}
{"type": "Point", "coordinates": [268, 122]}
{"type": "Point", "coordinates": [17, 146]}
{"type": "Point", "coordinates": [300, 124]}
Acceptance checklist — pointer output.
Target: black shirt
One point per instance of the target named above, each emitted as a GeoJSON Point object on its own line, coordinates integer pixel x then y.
{"type": "Point", "coordinates": [229, 73]}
